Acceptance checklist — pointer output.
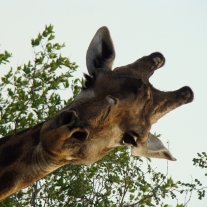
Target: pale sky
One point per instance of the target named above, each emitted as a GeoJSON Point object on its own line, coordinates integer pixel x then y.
{"type": "Point", "coordinates": [177, 29]}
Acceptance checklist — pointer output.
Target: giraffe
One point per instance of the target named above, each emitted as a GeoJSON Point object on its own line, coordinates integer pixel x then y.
{"type": "Point", "coordinates": [114, 108]}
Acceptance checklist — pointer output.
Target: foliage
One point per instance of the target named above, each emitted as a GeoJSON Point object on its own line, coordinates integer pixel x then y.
{"type": "Point", "coordinates": [30, 94]}
{"type": "Point", "coordinates": [4, 57]}
{"type": "Point", "coordinates": [201, 161]}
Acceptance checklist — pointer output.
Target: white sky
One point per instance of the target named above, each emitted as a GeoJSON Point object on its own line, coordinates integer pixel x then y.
{"type": "Point", "coordinates": [176, 28]}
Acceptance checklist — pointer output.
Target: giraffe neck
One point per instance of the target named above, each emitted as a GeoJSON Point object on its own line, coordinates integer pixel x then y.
{"type": "Point", "coordinates": [22, 160]}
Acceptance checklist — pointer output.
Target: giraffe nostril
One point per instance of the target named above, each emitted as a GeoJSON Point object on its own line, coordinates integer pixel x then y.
{"type": "Point", "coordinates": [67, 117]}
{"type": "Point", "coordinates": [80, 135]}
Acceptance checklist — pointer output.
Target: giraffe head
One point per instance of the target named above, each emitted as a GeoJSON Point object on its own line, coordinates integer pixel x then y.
{"type": "Point", "coordinates": [114, 108]}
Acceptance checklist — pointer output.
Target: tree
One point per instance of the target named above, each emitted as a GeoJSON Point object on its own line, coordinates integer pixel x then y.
{"type": "Point", "coordinates": [30, 94]}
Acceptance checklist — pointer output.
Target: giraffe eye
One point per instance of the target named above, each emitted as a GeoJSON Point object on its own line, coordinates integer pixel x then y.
{"type": "Point", "coordinates": [129, 139]}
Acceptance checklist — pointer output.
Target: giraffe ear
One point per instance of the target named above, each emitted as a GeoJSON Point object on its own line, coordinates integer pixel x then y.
{"type": "Point", "coordinates": [100, 53]}
{"type": "Point", "coordinates": [152, 148]}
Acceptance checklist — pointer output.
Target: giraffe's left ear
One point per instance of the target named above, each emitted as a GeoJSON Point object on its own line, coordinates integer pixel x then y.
{"type": "Point", "coordinates": [152, 148]}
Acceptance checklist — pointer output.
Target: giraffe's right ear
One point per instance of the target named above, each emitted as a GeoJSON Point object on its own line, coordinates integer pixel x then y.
{"type": "Point", "coordinates": [100, 53]}
{"type": "Point", "coordinates": [153, 148]}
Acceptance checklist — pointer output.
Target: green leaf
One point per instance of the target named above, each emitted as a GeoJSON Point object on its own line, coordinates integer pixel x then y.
{"type": "Point", "coordinates": [51, 37]}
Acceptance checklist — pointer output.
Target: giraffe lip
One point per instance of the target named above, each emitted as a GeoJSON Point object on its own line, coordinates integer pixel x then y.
{"type": "Point", "coordinates": [129, 140]}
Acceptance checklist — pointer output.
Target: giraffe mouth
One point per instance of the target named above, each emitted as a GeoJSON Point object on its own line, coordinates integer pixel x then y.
{"type": "Point", "coordinates": [129, 139]}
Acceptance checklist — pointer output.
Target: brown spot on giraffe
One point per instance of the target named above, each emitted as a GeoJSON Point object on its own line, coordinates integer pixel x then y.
{"type": "Point", "coordinates": [114, 108]}
{"type": "Point", "coordinates": [3, 140]}
{"type": "Point", "coordinates": [8, 181]}
{"type": "Point", "coordinates": [10, 154]}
